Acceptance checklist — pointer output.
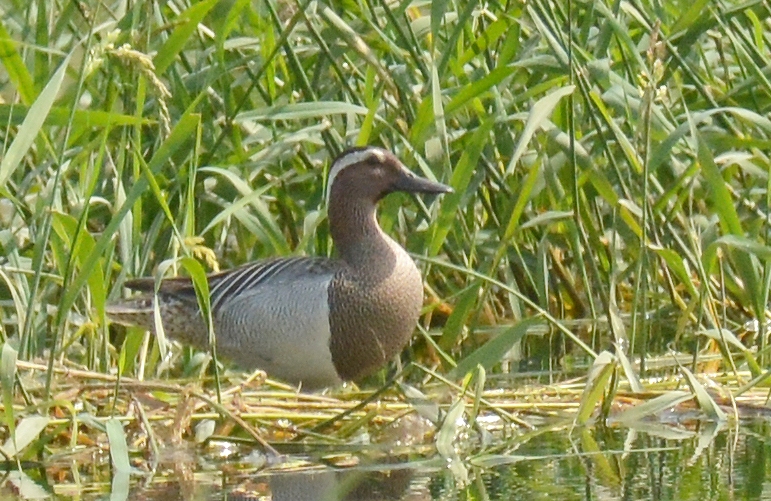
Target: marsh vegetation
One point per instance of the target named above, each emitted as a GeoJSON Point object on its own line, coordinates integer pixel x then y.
{"type": "Point", "coordinates": [603, 261]}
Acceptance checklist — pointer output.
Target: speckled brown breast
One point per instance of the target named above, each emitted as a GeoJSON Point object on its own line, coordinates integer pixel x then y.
{"type": "Point", "coordinates": [371, 321]}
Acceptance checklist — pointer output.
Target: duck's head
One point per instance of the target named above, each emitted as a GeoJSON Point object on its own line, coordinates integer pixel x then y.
{"type": "Point", "coordinates": [369, 173]}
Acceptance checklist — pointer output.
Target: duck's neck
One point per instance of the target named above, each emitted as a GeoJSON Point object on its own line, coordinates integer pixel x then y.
{"type": "Point", "coordinates": [358, 238]}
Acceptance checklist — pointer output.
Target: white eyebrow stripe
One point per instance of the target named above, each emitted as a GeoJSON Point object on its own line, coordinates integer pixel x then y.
{"type": "Point", "coordinates": [352, 158]}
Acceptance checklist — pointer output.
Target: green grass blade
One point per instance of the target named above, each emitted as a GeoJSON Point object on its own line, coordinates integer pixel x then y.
{"type": "Point", "coordinates": [650, 408]}
{"type": "Point", "coordinates": [423, 405]}
{"type": "Point", "coordinates": [202, 294]}
{"type": "Point", "coordinates": [15, 68]}
{"type": "Point", "coordinates": [477, 89]}
{"type": "Point", "coordinates": [534, 174]}
{"type": "Point", "coordinates": [461, 176]}
{"type": "Point", "coordinates": [438, 8]}
{"type": "Point", "coordinates": [119, 453]}
{"type": "Point", "coordinates": [450, 428]}
{"type": "Point", "coordinates": [7, 382]}
{"type": "Point", "coordinates": [463, 308]}
{"type": "Point", "coordinates": [32, 124]}
{"type": "Point", "coordinates": [493, 351]}
{"type": "Point", "coordinates": [460, 24]}
{"type": "Point", "coordinates": [187, 24]}
{"type": "Point", "coordinates": [27, 431]}
{"type": "Point", "coordinates": [706, 402]}
{"type": "Point", "coordinates": [62, 116]}
{"type": "Point", "coordinates": [729, 220]}
{"type": "Point", "coordinates": [599, 375]}
{"type": "Point", "coordinates": [302, 111]}
{"type": "Point", "coordinates": [540, 112]}
{"type": "Point", "coordinates": [27, 487]}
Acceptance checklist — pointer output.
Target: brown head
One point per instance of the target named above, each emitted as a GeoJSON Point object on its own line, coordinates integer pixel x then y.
{"type": "Point", "coordinates": [358, 179]}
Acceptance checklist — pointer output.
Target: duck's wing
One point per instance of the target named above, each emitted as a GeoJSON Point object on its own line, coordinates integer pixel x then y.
{"type": "Point", "coordinates": [234, 282]}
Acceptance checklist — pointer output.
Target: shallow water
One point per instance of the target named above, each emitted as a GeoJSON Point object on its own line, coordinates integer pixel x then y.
{"type": "Point", "coordinates": [694, 462]}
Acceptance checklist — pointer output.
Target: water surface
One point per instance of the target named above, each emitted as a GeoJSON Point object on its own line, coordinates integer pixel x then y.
{"type": "Point", "coordinates": [686, 462]}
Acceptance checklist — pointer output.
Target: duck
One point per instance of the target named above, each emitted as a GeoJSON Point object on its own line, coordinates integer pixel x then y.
{"type": "Point", "coordinates": [311, 321]}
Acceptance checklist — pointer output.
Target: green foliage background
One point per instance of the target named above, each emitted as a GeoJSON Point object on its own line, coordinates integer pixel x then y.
{"type": "Point", "coordinates": [609, 158]}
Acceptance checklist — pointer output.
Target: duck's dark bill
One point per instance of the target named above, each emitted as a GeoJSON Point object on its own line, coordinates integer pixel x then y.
{"type": "Point", "coordinates": [414, 184]}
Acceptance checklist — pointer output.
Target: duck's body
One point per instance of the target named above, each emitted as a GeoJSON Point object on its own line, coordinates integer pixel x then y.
{"type": "Point", "coordinates": [312, 321]}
